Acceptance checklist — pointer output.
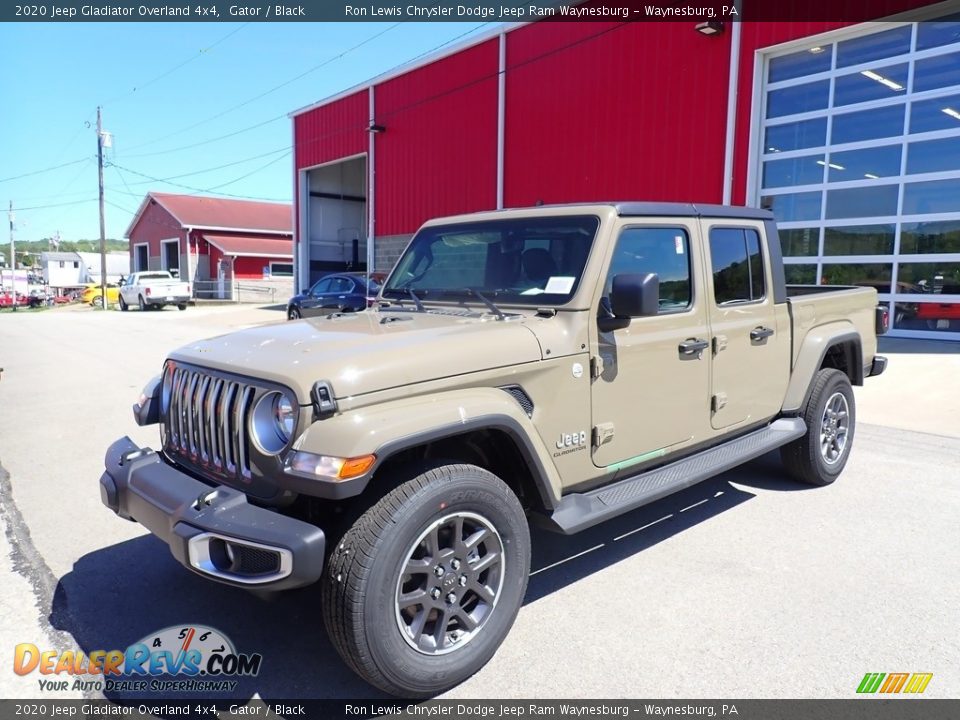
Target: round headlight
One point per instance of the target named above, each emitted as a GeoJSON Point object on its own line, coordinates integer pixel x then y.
{"type": "Point", "coordinates": [284, 413]}
{"type": "Point", "coordinates": [272, 422]}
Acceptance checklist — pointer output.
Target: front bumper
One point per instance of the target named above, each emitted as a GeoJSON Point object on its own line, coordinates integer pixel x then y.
{"type": "Point", "coordinates": [211, 530]}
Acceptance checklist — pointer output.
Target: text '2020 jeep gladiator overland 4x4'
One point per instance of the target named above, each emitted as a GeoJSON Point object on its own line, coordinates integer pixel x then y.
{"type": "Point", "coordinates": [565, 364]}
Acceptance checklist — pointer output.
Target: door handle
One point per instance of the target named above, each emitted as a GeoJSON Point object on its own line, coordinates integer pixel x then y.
{"type": "Point", "coordinates": [694, 346]}
{"type": "Point", "coordinates": [760, 333]}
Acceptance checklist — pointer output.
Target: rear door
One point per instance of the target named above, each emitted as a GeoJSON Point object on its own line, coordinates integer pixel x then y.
{"type": "Point", "coordinates": [751, 341]}
{"type": "Point", "coordinates": [650, 396]}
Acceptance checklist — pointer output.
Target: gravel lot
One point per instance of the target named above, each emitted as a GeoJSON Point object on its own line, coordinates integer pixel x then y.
{"type": "Point", "coordinates": [745, 586]}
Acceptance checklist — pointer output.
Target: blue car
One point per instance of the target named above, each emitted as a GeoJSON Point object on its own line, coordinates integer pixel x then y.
{"type": "Point", "coordinates": [340, 292]}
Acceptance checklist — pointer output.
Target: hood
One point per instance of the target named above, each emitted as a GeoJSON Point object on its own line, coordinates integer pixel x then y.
{"type": "Point", "coordinates": [364, 352]}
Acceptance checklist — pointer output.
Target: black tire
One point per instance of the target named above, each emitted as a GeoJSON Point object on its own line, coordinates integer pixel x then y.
{"type": "Point", "coordinates": [181, 306]}
{"type": "Point", "coordinates": [365, 619]}
{"type": "Point", "coordinates": [819, 457]}
{"type": "Point", "coordinates": [293, 313]}
{"type": "Point", "coordinates": [123, 305]}
{"type": "Point", "coordinates": [141, 303]}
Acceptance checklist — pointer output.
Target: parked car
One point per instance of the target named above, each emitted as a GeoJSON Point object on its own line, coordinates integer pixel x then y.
{"type": "Point", "coordinates": [340, 292]}
{"type": "Point", "coordinates": [7, 301]}
{"type": "Point", "coordinates": [154, 289]}
{"type": "Point", "coordinates": [558, 365]}
{"type": "Point", "coordinates": [93, 294]}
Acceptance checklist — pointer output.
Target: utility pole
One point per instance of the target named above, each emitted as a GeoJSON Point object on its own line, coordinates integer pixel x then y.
{"type": "Point", "coordinates": [13, 261]}
{"type": "Point", "coordinates": [103, 231]}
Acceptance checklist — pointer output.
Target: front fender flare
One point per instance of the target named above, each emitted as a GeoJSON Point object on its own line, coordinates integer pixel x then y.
{"type": "Point", "coordinates": [386, 429]}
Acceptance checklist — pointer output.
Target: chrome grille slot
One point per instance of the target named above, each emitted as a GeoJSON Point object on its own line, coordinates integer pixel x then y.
{"type": "Point", "coordinates": [206, 421]}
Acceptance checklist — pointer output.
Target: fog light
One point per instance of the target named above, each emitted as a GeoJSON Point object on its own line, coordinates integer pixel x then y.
{"type": "Point", "coordinates": [326, 466]}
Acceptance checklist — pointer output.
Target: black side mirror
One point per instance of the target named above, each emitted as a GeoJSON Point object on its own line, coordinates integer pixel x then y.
{"type": "Point", "coordinates": [635, 295]}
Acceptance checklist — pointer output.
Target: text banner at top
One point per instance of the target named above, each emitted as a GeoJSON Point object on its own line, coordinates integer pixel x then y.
{"type": "Point", "coordinates": [462, 11]}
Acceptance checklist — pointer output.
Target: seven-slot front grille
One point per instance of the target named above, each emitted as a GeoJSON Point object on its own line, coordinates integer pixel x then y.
{"type": "Point", "coordinates": [206, 420]}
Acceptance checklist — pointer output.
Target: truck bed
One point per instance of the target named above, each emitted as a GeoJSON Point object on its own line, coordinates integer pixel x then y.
{"type": "Point", "coordinates": [812, 306]}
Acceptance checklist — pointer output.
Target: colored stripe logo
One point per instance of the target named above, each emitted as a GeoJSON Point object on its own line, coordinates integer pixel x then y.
{"type": "Point", "coordinates": [914, 683]}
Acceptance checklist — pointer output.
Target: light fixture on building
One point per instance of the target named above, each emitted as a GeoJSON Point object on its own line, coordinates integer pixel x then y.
{"type": "Point", "coordinates": [374, 128]}
{"type": "Point", "coordinates": [712, 27]}
{"type": "Point", "coordinates": [816, 50]}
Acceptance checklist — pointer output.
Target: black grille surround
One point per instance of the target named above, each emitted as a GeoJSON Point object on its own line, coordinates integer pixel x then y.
{"type": "Point", "coordinates": [205, 427]}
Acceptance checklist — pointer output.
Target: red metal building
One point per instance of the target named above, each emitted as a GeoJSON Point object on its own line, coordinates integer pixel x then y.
{"type": "Point", "coordinates": [214, 242]}
{"type": "Point", "coordinates": [754, 114]}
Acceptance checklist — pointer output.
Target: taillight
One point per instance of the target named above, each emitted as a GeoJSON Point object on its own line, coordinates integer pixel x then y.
{"type": "Point", "coordinates": [188, 288]}
{"type": "Point", "coordinates": [147, 292]}
{"type": "Point", "coordinates": [371, 301]}
{"type": "Point", "coordinates": [883, 320]}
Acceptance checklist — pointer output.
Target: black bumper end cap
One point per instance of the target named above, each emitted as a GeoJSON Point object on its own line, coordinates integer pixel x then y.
{"type": "Point", "coordinates": [878, 366]}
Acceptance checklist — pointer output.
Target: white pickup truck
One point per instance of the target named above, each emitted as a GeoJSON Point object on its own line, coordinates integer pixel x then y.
{"type": "Point", "coordinates": [154, 289]}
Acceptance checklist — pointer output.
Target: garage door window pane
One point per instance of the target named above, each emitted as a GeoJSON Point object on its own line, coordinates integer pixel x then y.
{"type": "Point", "coordinates": [942, 32]}
{"type": "Point", "coordinates": [867, 164]}
{"type": "Point", "coordinates": [868, 85]}
{"type": "Point", "coordinates": [932, 237]}
{"type": "Point", "coordinates": [941, 113]}
{"type": "Point", "coordinates": [868, 124]}
{"type": "Point", "coordinates": [800, 242]}
{"type": "Point", "coordinates": [794, 206]}
{"type": "Point", "coordinates": [942, 278]}
{"type": "Point", "coordinates": [928, 316]}
{"type": "Point", "coordinates": [798, 99]}
{"type": "Point", "coordinates": [874, 47]}
{"type": "Point", "coordinates": [935, 196]}
{"type": "Point", "coordinates": [933, 156]}
{"type": "Point", "coordinates": [872, 275]}
{"type": "Point", "coordinates": [862, 202]}
{"type": "Point", "coordinates": [795, 171]}
{"type": "Point", "coordinates": [800, 274]}
{"type": "Point", "coordinates": [796, 136]}
{"type": "Point", "coordinates": [798, 64]}
{"type": "Point", "coordinates": [936, 72]}
{"type": "Point", "coordinates": [859, 240]}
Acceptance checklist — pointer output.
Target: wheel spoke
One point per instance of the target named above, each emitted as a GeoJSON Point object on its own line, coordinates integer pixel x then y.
{"type": "Point", "coordinates": [482, 591]}
{"type": "Point", "coordinates": [476, 538]}
{"type": "Point", "coordinates": [419, 620]}
{"type": "Point", "coordinates": [417, 567]}
{"type": "Point", "coordinates": [469, 624]}
{"type": "Point", "coordinates": [414, 597]}
{"type": "Point", "coordinates": [458, 545]}
{"type": "Point", "coordinates": [433, 543]}
{"type": "Point", "coordinates": [440, 628]}
{"type": "Point", "coordinates": [487, 561]}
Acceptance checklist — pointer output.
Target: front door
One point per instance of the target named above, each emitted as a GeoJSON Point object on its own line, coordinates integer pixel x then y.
{"type": "Point", "coordinates": [651, 395]}
{"type": "Point", "coordinates": [751, 335]}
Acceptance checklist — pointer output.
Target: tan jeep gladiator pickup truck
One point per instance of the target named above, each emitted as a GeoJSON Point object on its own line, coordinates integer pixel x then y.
{"type": "Point", "coordinates": [555, 364]}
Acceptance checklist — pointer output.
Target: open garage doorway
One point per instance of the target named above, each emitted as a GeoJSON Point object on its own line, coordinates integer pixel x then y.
{"type": "Point", "coordinates": [336, 218]}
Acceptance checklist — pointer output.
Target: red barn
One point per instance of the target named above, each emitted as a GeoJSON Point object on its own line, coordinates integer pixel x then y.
{"type": "Point", "coordinates": [848, 131]}
{"type": "Point", "coordinates": [221, 246]}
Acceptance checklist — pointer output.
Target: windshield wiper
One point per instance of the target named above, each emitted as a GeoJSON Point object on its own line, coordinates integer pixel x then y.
{"type": "Point", "coordinates": [416, 300]}
{"type": "Point", "coordinates": [486, 301]}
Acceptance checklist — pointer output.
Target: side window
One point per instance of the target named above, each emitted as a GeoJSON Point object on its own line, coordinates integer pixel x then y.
{"type": "Point", "coordinates": [341, 285]}
{"type": "Point", "coordinates": [321, 286]}
{"type": "Point", "coordinates": [664, 251]}
{"type": "Point", "coordinates": [737, 265]}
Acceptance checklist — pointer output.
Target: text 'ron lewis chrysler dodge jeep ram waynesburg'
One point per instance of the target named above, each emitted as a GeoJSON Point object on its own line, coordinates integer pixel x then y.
{"type": "Point", "coordinates": [555, 364]}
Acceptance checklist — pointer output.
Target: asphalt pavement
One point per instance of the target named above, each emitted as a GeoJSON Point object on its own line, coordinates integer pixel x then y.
{"type": "Point", "coordinates": [745, 586]}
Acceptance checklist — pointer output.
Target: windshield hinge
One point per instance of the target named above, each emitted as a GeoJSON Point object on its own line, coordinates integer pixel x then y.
{"type": "Point", "coordinates": [596, 366]}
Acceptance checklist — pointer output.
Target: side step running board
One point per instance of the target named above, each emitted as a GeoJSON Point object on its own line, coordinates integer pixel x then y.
{"type": "Point", "coordinates": [579, 511]}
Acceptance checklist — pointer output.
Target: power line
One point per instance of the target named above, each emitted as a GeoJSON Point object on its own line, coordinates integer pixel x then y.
{"type": "Point", "coordinates": [284, 115]}
{"type": "Point", "coordinates": [196, 189]}
{"type": "Point", "coordinates": [172, 70]}
{"type": "Point", "coordinates": [273, 89]}
{"type": "Point", "coordinates": [44, 170]}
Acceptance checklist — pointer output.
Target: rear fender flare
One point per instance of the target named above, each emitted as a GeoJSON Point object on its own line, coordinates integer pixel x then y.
{"type": "Point", "coordinates": [813, 350]}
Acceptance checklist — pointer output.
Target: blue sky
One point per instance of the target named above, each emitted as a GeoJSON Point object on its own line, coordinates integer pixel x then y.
{"type": "Point", "coordinates": [56, 74]}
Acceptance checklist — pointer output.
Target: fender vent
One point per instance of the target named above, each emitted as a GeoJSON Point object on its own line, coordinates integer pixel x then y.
{"type": "Point", "coordinates": [520, 395]}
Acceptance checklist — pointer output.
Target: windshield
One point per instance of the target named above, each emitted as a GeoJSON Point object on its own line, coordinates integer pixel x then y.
{"type": "Point", "coordinates": [536, 261]}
